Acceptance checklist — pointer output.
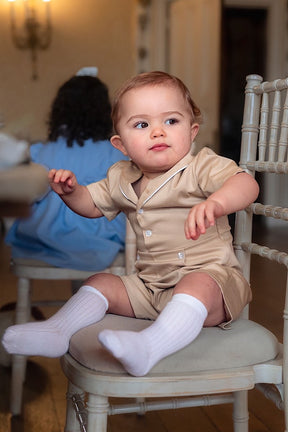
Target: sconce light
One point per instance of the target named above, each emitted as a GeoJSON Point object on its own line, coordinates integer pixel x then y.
{"type": "Point", "coordinates": [33, 36]}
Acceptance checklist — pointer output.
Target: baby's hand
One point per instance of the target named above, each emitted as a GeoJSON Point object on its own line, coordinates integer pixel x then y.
{"type": "Point", "coordinates": [201, 217]}
{"type": "Point", "coordinates": [62, 181]}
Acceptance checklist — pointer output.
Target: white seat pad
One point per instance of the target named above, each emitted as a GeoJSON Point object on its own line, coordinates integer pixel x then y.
{"type": "Point", "coordinates": [214, 348]}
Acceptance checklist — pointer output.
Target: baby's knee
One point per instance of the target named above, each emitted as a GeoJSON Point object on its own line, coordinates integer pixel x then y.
{"type": "Point", "coordinates": [100, 281]}
{"type": "Point", "coordinates": [111, 286]}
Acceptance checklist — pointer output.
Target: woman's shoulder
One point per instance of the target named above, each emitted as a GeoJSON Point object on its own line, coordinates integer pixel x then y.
{"type": "Point", "coordinates": [42, 151]}
{"type": "Point", "coordinates": [35, 149]}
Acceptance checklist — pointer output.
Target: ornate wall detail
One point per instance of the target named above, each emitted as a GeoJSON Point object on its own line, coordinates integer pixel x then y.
{"type": "Point", "coordinates": [143, 35]}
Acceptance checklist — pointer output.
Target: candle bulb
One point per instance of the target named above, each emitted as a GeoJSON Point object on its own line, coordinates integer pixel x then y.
{"type": "Point", "coordinates": [12, 13]}
{"type": "Point", "coordinates": [34, 34]}
{"type": "Point", "coordinates": [47, 10]}
{"type": "Point", "coordinates": [26, 6]}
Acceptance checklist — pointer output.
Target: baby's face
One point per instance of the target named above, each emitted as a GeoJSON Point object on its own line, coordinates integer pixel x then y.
{"type": "Point", "coordinates": [155, 128]}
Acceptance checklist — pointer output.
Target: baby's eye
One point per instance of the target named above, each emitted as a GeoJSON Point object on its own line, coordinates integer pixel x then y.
{"type": "Point", "coordinates": [141, 125]}
{"type": "Point", "coordinates": [171, 121]}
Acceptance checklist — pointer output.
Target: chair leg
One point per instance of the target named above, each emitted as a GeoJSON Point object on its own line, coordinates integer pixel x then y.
{"type": "Point", "coordinates": [285, 400]}
{"type": "Point", "coordinates": [18, 361]}
{"type": "Point", "coordinates": [17, 380]}
{"type": "Point", "coordinates": [240, 412]}
{"type": "Point", "coordinates": [73, 423]}
{"type": "Point", "coordinates": [97, 409]}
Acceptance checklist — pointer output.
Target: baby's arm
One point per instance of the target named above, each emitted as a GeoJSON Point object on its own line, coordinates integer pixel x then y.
{"type": "Point", "coordinates": [236, 193]}
{"type": "Point", "coordinates": [75, 196]}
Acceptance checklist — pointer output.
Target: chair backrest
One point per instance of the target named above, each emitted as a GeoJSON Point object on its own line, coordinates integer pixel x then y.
{"type": "Point", "coordinates": [264, 150]}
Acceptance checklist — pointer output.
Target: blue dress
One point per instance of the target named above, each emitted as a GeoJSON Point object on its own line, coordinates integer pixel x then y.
{"type": "Point", "coordinates": [54, 233]}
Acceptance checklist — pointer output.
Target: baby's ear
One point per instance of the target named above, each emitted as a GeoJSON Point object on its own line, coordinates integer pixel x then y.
{"type": "Point", "coordinates": [194, 131]}
{"type": "Point", "coordinates": [116, 141]}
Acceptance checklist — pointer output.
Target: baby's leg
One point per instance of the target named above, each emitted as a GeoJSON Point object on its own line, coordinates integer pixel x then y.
{"type": "Point", "coordinates": [51, 338]}
{"type": "Point", "coordinates": [179, 324]}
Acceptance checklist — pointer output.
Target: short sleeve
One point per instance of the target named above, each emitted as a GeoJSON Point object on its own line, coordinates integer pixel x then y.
{"type": "Point", "coordinates": [99, 192]}
{"type": "Point", "coordinates": [105, 193]}
{"type": "Point", "coordinates": [212, 170]}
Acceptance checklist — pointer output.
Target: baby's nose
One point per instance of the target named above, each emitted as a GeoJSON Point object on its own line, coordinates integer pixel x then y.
{"type": "Point", "coordinates": [157, 131]}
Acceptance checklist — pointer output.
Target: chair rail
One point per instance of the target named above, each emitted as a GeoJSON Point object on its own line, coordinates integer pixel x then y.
{"type": "Point", "coordinates": [267, 210]}
{"type": "Point", "coordinates": [265, 252]}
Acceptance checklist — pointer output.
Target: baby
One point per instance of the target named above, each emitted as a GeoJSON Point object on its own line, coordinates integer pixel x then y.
{"type": "Point", "coordinates": [177, 203]}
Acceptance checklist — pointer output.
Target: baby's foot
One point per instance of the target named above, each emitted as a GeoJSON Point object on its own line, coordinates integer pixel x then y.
{"type": "Point", "coordinates": [130, 348]}
{"type": "Point", "coordinates": [35, 339]}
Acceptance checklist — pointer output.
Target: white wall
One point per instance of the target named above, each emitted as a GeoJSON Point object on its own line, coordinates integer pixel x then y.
{"type": "Point", "coordinates": [85, 33]}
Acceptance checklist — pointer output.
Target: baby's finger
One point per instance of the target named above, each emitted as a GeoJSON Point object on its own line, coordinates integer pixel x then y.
{"type": "Point", "coordinates": [192, 231]}
{"type": "Point", "coordinates": [51, 174]}
{"type": "Point", "coordinates": [190, 226]}
{"type": "Point", "coordinates": [192, 234]}
{"type": "Point", "coordinates": [210, 218]}
{"type": "Point", "coordinates": [200, 220]}
{"type": "Point", "coordinates": [187, 230]}
{"type": "Point", "coordinates": [62, 176]}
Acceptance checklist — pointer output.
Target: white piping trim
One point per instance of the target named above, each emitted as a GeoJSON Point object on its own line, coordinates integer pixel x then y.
{"type": "Point", "coordinates": [123, 193]}
{"type": "Point", "coordinates": [163, 184]}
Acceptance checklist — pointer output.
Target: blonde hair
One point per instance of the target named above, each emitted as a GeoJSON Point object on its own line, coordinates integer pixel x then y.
{"type": "Point", "coordinates": [153, 78]}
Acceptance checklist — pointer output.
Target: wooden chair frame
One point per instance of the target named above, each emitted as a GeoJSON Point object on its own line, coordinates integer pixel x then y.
{"type": "Point", "coordinates": [28, 270]}
{"type": "Point", "coordinates": [264, 149]}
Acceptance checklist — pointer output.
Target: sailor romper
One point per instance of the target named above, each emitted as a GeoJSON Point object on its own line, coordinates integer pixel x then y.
{"type": "Point", "coordinates": [164, 255]}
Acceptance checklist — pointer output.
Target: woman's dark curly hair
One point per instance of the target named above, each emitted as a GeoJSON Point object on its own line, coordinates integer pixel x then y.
{"type": "Point", "coordinates": [81, 110]}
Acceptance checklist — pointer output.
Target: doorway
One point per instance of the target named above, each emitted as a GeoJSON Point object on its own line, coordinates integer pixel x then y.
{"type": "Point", "coordinates": [243, 52]}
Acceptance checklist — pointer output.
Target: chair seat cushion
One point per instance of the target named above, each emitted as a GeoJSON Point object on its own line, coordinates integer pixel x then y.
{"type": "Point", "coordinates": [27, 262]}
{"type": "Point", "coordinates": [214, 348]}
{"type": "Point", "coordinates": [34, 269]}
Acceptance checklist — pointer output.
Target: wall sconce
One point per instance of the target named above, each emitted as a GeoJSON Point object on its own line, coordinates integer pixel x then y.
{"type": "Point", "coordinates": [33, 36]}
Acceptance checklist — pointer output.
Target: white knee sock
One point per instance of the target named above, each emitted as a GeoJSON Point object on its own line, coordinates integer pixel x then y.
{"type": "Point", "coordinates": [179, 324]}
{"type": "Point", "coordinates": [51, 338]}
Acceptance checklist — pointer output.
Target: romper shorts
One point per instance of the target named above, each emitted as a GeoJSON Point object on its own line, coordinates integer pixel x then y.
{"type": "Point", "coordinates": [148, 299]}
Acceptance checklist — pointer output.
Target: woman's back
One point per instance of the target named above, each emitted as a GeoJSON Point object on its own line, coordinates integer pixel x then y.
{"type": "Point", "coordinates": [55, 234]}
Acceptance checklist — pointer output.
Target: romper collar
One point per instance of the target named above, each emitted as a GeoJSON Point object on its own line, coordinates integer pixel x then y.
{"type": "Point", "coordinates": [132, 174]}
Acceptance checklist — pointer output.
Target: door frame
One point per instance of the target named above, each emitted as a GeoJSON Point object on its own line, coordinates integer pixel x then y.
{"type": "Point", "coordinates": [276, 67]}
{"type": "Point", "coordinates": [152, 44]}
{"type": "Point", "coordinates": [276, 63]}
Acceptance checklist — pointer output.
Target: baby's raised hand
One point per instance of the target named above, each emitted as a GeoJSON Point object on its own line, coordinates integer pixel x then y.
{"type": "Point", "coordinates": [201, 217]}
{"type": "Point", "coordinates": [62, 181]}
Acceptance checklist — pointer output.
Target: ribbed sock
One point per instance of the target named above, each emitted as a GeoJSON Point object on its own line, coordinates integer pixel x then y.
{"type": "Point", "coordinates": [51, 338]}
{"type": "Point", "coordinates": [179, 324]}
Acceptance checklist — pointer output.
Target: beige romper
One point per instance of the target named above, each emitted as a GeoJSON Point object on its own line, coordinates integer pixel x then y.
{"type": "Point", "coordinates": [157, 217]}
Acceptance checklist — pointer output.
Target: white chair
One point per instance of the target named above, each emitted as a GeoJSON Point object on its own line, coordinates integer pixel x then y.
{"type": "Point", "coordinates": [28, 270]}
{"type": "Point", "coordinates": [219, 366]}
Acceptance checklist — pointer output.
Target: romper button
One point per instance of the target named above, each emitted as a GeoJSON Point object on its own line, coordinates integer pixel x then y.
{"type": "Point", "coordinates": [148, 233]}
{"type": "Point", "coordinates": [181, 255]}
{"type": "Point", "coordinates": [140, 211]}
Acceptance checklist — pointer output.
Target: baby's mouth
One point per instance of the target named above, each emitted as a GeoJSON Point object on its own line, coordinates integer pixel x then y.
{"type": "Point", "coordinates": [159, 147]}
